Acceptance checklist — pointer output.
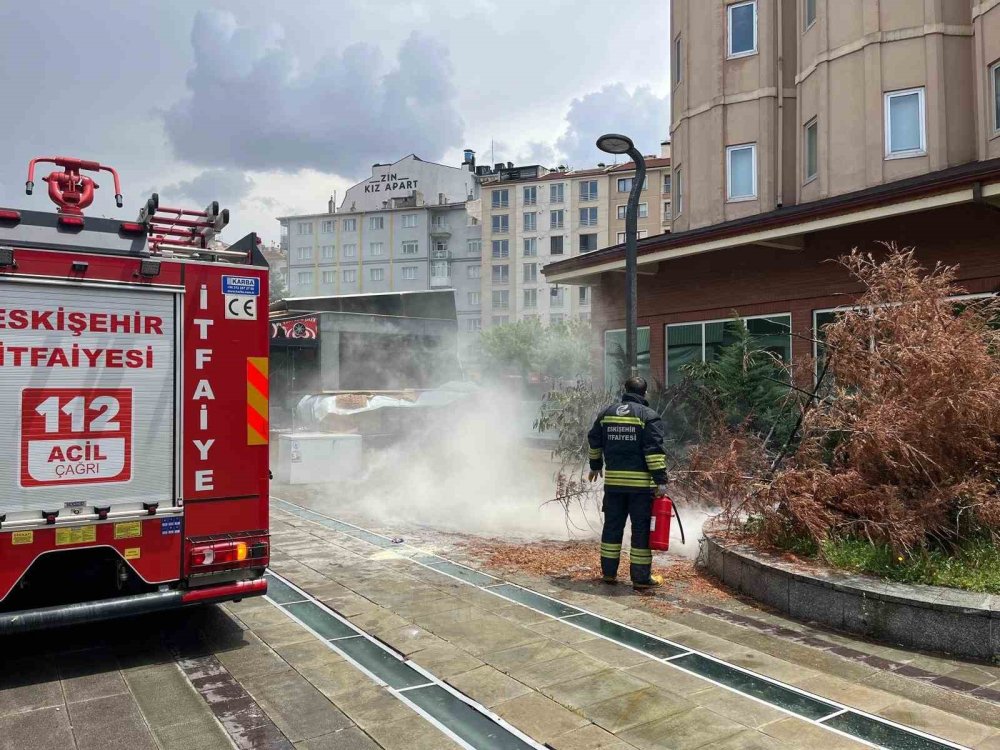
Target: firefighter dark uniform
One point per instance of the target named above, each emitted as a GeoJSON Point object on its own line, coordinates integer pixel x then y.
{"type": "Point", "coordinates": [627, 441]}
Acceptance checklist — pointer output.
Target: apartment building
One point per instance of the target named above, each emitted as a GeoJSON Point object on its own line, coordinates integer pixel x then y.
{"type": "Point", "coordinates": [655, 209]}
{"type": "Point", "coordinates": [801, 129]}
{"type": "Point", "coordinates": [405, 228]}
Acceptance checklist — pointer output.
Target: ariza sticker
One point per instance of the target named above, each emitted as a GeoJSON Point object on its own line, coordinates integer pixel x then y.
{"type": "Point", "coordinates": [22, 537]}
{"type": "Point", "coordinates": [128, 529]}
{"type": "Point", "coordinates": [132, 553]}
{"type": "Point", "coordinates": [76, 535]}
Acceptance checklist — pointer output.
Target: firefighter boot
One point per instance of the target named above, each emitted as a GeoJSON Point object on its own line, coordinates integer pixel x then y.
{"type": "Point", "coordinates": [640, 567]}
{"type": "Point", "coordinates": [610, 554]}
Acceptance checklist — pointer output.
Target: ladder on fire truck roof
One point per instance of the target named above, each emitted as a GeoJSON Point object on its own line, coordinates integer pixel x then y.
{"type": "Point", "coordinates": [170, 231]}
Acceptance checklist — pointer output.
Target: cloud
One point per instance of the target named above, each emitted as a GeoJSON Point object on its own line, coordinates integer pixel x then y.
{"type": "Point", "coordinates": [641, 115]}
{"type": "Point", "coordinates": [227, 186]}
{"type": "Point", "coordinates": [250, 104]}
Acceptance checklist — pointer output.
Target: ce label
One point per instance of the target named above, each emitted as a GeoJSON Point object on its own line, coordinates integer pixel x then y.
{"type": "Point", "coordinates": [241, 307]}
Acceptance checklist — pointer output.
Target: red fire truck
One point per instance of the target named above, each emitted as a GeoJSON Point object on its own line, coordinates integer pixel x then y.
{"type": "Point", "coordinates": [133, 409]}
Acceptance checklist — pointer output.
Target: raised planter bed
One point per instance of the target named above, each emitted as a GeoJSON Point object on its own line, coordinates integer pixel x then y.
{"type": "Point", "coordinates": [932, 618]}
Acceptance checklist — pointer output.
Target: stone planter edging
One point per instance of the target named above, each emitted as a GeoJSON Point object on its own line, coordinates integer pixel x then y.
{"type": "Point", "coordinates": [932, 618]}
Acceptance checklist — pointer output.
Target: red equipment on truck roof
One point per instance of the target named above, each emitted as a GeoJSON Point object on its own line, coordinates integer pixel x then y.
{"type": "Point", "coordinates": [133, 409]}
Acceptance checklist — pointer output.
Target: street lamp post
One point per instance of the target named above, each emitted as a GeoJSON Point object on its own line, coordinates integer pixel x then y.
{"type": "Point", "coordinates": [612, 143]}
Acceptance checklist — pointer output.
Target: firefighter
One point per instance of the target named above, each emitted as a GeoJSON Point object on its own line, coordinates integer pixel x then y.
{"type": "Point", "coordinates": [627, 442]}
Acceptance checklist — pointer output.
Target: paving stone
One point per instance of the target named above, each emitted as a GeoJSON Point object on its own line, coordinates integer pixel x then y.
{"type": "Point", "coordinates": [165, 696]}
{"type": "Point", "coordinates": [440, 620]}
{"type": "Point", "coordinates": [41, 729]}
{"type": "Point", "coordinates": [670, 679]}
{"type": "Point", "coordinates": [297, 708]}
{"type": "Point", "coordinates": [488, 686]}
{"type": "Point", "coordinates": [611, 653]}
{"type": "Point", "coordinates": [429, 605]}
{"type": "Point", "coordinates": [849, 693]}
{"type": "Point", "coordinates": [334, 678]}
{"type": "Point", "coordinates": [751, 740]}
{"type": "Point", "coordinates": [749, 713]}
{"type": "Point", "coordinates": [379, 619]}
{"type": "Point", "coordinates": [348, 604]}
{"type": "Point", "coordinates": [990, 743]}
{"type": "Point", "coordinates": [936, 722]}
{"type": "Point", "coordinates": [29, 685]}
{"type": "Point", "coordinates": [960, 704]}
{"type": "Point", "coordinates": [345, 739]}
{"type": "Point", "coordinates": [562, 632]}
{"type": "Point", "coordinates": [595, 688]}
{"type": "Point", "coordinates": [569, 667]}
{"type": "Point", "coordinates": [798, 733]}
{"type": "Point", "coordinates": [489, 634]}
{"type": "Point", "coordinates": [539, 651]}
{"type": "Point", "coordinates": [90, 674]}
{"type": "Point", "coordinates": [371, 705]}
{"type": "Point", "coordinates": [411, 733]}
{"type": "Point", "coordinates": [589, 737]}
{"type": "Point", "coordinates": [697, 727]}
{"type": "Point", "coordinates": [203, 734]}
{"type": "Point", "coordinates": [112, 723]}
{"type": "Point", "coordinates": [635, 708]}
{"type": "Point", "coordinates": [286, 633]}
{"type": "Point", "coordinates": [310, 653]}
{"type": "Point", "coordinates": [446, 660]}
{"type": "Point", "coordinates": [408, 639]}
{"type": "Point", "coordinates": [523, 615]}
{"type": "Point", "coordinates": [539, 717]}
{"type": "Point", "coordinates": [251, 658]}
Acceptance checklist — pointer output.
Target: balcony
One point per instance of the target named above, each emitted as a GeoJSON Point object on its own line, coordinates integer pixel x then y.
{"type": "Point", "coordinates": [440, 229]}
{"type": "Point", "coordinates": [440, 282]}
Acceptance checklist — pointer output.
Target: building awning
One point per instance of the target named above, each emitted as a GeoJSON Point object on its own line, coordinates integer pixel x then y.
{"type": "Point", "coordinates": [785, 227]}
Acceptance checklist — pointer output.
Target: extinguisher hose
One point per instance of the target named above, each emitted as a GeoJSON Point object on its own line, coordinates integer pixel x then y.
{"type": "Point", "coordinates": [680, 525]}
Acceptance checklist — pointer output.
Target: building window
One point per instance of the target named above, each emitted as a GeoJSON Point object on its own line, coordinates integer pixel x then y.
{"type": "Point", "coordinates": [305, 227]}
{"type": "Point", "coordinates": [328, 277]}
{"type": "Point", "coordinates": [473, 299]}
{"type": "Point", "coordinates": [501, 274]}
{"type": "Point", "coordinates": [440, 249]}
{"type": "Point", "coordinates": [530, 272]}
{"type": "Point", "coordinates": [499, 199]}
{"type": "Point", "coordinates": [622, 210]}
{"type": "Point", "coordinates": [410, 273]}
{"type": "Point", "coordinates": [501, 224]}
{"type": "Point", "coordinates": [588, 243]}
{"type": "Point", "coordinates": [375, 248]}
{"type": "Point", "coordinates": [328, 226]}
{"type": "Point", "coordinates": [809, 12]}
{"type": "Point", "coordinates": [474, 324]}
{"type": "Point", "coordinates": [409, 221]}
{"type": "Point", "coordinates": [376, 274]}
{"type": "Point", "coordinates": [326, 252]}
{"type": "Point", "coordinates": [531, 298]}
{"type": "Point", "coordinates": [584, 292]}
{"type": "Point", "coordinates": [530, 247]}
{"type": "Point", "coordinates": [741, 172]}
{"type": "Point", "coordinates": [439, 269]}
{"type": "Point", "coordinates": [556, 193]}
{"type": "Point", "coordinates": [667, 211]}
{"type": "Point", "coordinates": [615, 365]}
{"type": "Point", "coordinates": [350, 276]}
{"type": "Point", "coordinates": [704, 341]}
{"type": "Point", "coordinates": [474, 272]}
{"type": "Point", "coordinates": [810, 143]}
{"type": "Point", "coordinates": [350, 225]}
{"type": "Point", "coordinates": [625, 184]}
{"type": "Point", "coordinates": [376, 222]}
{"type": "Point", "coordinates": [557, 219]}
{"type": "Point", "coordinates": [501, 299]}
{"type": "Point", "coordinates": [588, 190]}
{"type": "Point", "coordinates": [305, 277]}
{"type": "Point", "coordinates": [350, 251]}
{"type": "Point", "coordinates": [411, 248]}
{"type": "Point", "coordinates": [666, 184]}
{"type": "Point", "coordinates": [501, 320]}
{"type": "Point", "coordinates": [305, 253]}
{"type": "Point", "coordinates": [530, 196]}
{"type": "Point", "coordinates": [679, 187]}
{"type": "Point", "coordinates": [556, 245]}
{"type": "Point", "coordinates": [588, 217]}
{"type": "Point", "coordinates": [643, 210]}
{"type": "Point", "coordinates": [474, 247]}
{"type": "Point", "coordinates": [677, 61]}
{"type": "Point", "coordinates": [557, 296]}
{"type": "Point", "coordinates": [742, 28]}
{"type": "Point", "coordinates": [530, 221]}
{"type": "Point", "coordinates": [904, 124]}
{"type": "Point", "coordinates": [501, 248]}
{"type": "Point", "coordinates": [995, 79]}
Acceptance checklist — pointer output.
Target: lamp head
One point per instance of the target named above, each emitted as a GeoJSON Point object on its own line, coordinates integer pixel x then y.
{"type": "Point", "coordinates": [613, 143]}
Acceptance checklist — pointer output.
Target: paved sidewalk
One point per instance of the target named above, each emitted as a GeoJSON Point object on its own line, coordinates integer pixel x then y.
{"type": "Point", "coordinates": [570, 689]}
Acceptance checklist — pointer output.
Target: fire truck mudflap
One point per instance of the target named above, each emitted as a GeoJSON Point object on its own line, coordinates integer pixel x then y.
{"type": "Point", "coordinates": [133, 415]}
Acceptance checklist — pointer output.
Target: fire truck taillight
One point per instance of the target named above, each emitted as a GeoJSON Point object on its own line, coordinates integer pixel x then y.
{"type": "Point", "coordinates": [219, 553]}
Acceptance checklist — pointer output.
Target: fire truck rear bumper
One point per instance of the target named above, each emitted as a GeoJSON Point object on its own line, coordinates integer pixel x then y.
{"type": "Point", "coordinates": [106, 609]}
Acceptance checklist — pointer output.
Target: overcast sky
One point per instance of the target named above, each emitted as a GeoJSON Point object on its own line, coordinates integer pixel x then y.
{"type": "Point", "coordinates": [268, 107]}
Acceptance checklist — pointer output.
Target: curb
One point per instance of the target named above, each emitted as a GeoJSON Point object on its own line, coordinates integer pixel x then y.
{"type": "Point", "coordinates": [932, 618]}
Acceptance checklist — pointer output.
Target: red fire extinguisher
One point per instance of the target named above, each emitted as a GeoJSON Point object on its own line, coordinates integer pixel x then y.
{"type": "Point", "coordinates": [659, 525]}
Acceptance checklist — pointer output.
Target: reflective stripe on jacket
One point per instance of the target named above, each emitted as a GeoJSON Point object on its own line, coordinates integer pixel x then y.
{"type": "Point", "coordinates": [627, 438]}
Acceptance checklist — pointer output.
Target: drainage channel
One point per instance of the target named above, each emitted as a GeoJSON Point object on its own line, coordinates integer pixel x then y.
{"type": "Point", "coordinates": [823, 712]}
{"type": "Point", "coordinates": [466, 722]}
